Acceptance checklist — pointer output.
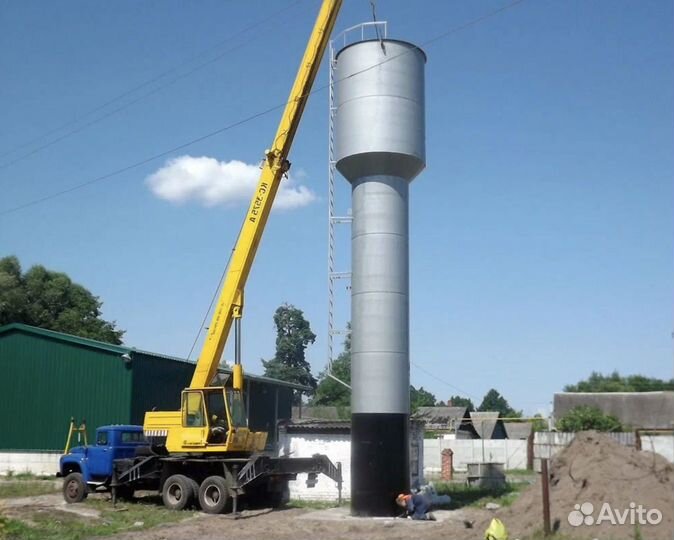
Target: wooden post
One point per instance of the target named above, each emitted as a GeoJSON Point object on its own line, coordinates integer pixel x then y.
{"type": "Point", "coordinates": [530, 451]}
{"type": "Point", "coordinates": [545, 483]}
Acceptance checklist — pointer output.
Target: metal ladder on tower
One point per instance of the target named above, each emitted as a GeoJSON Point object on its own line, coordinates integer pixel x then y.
{"type": "Point", "coordinates": [380, 30]}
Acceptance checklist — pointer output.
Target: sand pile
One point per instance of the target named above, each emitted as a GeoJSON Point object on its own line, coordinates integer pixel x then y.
{"type": "Point", "coordinates": [597, 470]}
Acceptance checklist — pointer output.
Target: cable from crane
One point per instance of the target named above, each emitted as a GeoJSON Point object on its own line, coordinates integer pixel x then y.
{"type": "Point", "coordinates": [373, 3]}
{"type": "Point", "coordinates": [215, 295]}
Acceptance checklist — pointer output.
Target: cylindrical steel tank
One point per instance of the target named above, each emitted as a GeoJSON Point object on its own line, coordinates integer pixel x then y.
{"type": "Point", "coordinates": [379, 148]}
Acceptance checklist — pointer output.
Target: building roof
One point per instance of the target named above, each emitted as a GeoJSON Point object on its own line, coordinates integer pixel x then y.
{"type": "Point", "coordinates": [518, 430]}
{"type": "Point", "coordinates": [84, 342]}
{"type": "Point", "coordinates": [450, 417]}
{"type": "Point", "coordinates": [319, 412]}
{"type": "Point", "coordinates": [484, 423]}
{"type": "Point", "coordinates": [317, 426]}
{"type": "Point", "coordinates": [123, 349]}
{"type": "Point", "coordinates": [653, 410]}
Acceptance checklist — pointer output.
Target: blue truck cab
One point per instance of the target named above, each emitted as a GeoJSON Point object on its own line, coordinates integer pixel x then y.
{"type": "Point", "coordinates": [88, 468]}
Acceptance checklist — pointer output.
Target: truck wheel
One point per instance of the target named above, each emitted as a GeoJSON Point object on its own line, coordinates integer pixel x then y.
{"type": "Point", "coordinates": [74, 488]}
{"type": "Point", "coordinates": [213, 495]}
{"type": "Point", "coordinates": [195, 490]}
{"type": "Point", "coordinates": [177, 493]}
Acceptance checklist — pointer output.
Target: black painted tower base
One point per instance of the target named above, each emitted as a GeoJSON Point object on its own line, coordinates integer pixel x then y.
{"type": "Point", "coordinates": [380, 465]}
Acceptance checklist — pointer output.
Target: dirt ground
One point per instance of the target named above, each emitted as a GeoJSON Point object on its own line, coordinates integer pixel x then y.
{"type": "Point", "coordinates": [593, 469]}
{"type": "Point", "coordinates": [300, 524]}
{"type": "Point", "coordinates": [20, 506]}
{"type": "Point", "coordinates": [284, 524]}
{"type": "Point", "coordinates": [597, 470]}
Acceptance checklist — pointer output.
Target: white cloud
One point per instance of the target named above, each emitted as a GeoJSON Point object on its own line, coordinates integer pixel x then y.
{"type": "Point", "coordinates": [212, 182]}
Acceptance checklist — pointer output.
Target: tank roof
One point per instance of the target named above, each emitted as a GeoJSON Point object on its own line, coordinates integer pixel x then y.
{"type": "Point", "coordinates": [386, 40]}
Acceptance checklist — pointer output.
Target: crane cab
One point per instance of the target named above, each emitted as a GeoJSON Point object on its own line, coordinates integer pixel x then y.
{"type": "Point", "coordinates": [211, 419]}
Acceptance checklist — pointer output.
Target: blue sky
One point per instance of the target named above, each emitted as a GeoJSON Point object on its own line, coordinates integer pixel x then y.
{"type": "Point", "coordinates": [541, 230]}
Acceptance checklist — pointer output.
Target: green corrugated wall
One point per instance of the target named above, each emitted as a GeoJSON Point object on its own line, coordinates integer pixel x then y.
{"type": "Point", "coordinates": [45, 381]}
{"type": "Point", "coordinates": [261, 407]}
{"type": "Point", "coordinates": [263, 404]}
{"type": "Point", "coordinates": [157, 382]}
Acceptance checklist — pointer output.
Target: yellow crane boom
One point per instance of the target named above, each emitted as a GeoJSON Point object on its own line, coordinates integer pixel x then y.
{"type": "Point", "coordinates": [213, 420]}
{"type": "Point", "coordinates": [230, 302]}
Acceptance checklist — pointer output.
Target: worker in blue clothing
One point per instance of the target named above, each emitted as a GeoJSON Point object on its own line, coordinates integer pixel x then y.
{"type": "Point", "coordinates": [416, 505]}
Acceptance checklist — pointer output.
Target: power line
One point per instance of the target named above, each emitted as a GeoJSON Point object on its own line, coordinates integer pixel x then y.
{"type": "Point", "coordinates": [473, 22]}
{"type": "Point", "coordinates": [141, 162]}
{"type": "Point", "coordinates": [114, 111]}
{"type": "Point", "coordinates": [251, 117]}
{"type": "Point", "coordinates": [464, 392]}
{"type": "Point", "coordinates": [135, 89]}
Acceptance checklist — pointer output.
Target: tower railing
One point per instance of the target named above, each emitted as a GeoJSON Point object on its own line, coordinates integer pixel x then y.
{"type": "Point", "coordinates": [367, 30]}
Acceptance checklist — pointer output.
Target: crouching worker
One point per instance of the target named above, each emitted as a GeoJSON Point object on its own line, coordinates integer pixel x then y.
{"type": "Point", "coordinates": [417, 506]}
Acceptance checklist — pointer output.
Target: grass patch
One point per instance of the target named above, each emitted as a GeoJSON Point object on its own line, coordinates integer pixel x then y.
{"type": "Point", "coordinates": [520, 472]}
{"type": "Point", "coordinates": [27, 475]}
{"type": "Point", "coordinates": [315, 505]}
{"type": "Point", "coordinates": [51, 524]}
{"type": "Point", "coordinates": [28, 488]}
{"type": "Point", "coordinates": [463, 495]}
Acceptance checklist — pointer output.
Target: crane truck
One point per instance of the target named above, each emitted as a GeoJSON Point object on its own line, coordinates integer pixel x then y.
{"type": "Point", "coordinates": [205, 453]}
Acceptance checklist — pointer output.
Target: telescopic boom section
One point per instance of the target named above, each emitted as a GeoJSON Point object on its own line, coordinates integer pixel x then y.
{"type": "Point", "coordinates": [230, 303]}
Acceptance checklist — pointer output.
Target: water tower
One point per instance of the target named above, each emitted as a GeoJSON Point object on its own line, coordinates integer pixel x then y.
{"type": "Point", "coordinates": [379, 149]}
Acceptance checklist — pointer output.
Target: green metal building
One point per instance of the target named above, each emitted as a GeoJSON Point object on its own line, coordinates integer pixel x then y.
{"type": "Point", "coordinates": [48, 377]}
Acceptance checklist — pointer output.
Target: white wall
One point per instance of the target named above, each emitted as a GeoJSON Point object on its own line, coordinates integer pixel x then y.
{"type": "Point", "coordinates": [511, 452]}
{"type": "Point", "coordinates": [660, 444]}
{"type": "Point", "coordinates": [336, 447]}
{"type": "Point", "coordinates": [40, 463]}
{"type": "Point", "coordinates": [549, 443]}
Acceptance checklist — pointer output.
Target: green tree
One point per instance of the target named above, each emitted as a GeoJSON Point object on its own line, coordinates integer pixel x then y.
{"type": "Point", "coordinates": [293, 335]}
{"type": "Point", "coordinates": [332, 392]}
{"type": "Point", "coordinates": [493, 401]}
{"type": "Point", "coordinates": [12, 291]}
{"type": "Point", "coordinates": [584, 417]}
{"type": "Point", "coordinates": [539, 423]}
{"type": "Point", "coordinates": [614, 382]}
{"type": "Point", "coordinates": [50, 300]}
{"type": "Point", "coordinates": [459, 401]}
{"type": "Point", "coordinates": [420, 398]}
